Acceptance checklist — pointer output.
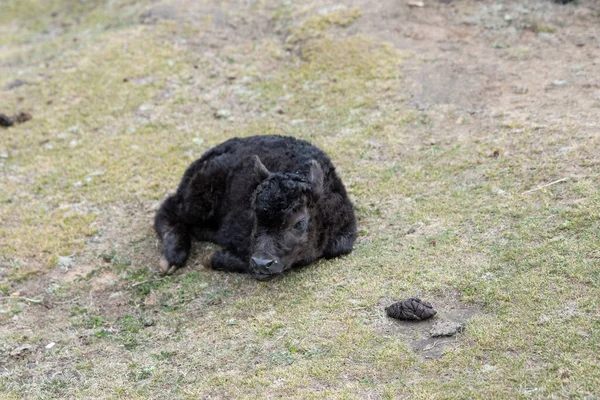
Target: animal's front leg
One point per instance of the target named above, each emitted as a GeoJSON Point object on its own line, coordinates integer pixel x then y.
{"type": "Point", "coordinates": [225, 260]}
{"type": "Point", "coordinates": [173, 232]}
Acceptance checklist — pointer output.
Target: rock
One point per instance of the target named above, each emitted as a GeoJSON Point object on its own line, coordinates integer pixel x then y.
{"type": "Point", "coordinates": [419, 4]}
{"type": "Point", "coordinates": [222, 114]}
{"type": "Point", "coordinates": [65, 262]}
{"type": "Point", "coordinates": [21, 350]}
{"type": "Point", "coordinates": [520, 90]}
{"type": "Point", "coordinates": [412, 309]}
{"type": "Point", "coordinates": [50, 345]}
{"type": "Point", "coordinates": [446, 328]}
{"type": "Point", "coordinates": [488, 368]}
{"type": "Point", "coordinates": [559, 83]}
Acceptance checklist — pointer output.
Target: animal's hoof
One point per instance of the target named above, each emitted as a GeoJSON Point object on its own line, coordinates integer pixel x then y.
{"type": "Point", "coordinates": [165, 267]}
{"type": "Point", "coordinates": [207, 259]}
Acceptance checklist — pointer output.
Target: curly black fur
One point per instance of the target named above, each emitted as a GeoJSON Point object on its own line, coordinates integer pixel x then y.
{"type": "Point", "coordinates": [271, 202]}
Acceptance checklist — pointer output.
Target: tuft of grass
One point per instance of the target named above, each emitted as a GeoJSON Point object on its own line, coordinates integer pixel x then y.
{"type": "Point", "coordinates": [315, 26]}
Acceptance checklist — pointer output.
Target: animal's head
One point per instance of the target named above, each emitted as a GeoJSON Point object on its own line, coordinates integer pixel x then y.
{"type": "Point", "coordinates": [283, 208]}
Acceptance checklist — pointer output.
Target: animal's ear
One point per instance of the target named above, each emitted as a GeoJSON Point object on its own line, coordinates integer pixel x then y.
{"type": "Point", "coordinates": [315, 175]}
{"type": "Point", "coordinates": [260, 171]}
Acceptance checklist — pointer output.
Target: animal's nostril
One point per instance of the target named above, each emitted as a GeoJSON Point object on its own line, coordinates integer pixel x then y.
{"type": "Point", "coordinates": [262, 262]}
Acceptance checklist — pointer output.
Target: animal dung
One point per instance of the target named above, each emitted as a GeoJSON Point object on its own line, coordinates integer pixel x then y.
{"type": "Point", "coordinates": [5, 120]}
{"type": "Point", "coordinates": [411, 309]}
{"type": "Point", "coordinates": [22, 117]}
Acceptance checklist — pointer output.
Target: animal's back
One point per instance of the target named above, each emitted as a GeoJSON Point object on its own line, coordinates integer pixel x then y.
{"type": "Point", "coordinates": [277, 153]}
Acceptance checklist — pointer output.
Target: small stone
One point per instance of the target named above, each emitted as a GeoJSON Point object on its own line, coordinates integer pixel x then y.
{"type": "Point", "coordinates": [419, 4]}
{"type": "Point", "coordinates": [50, 345]}
{"type": "Point", "coordinates": [559, 82]}
{"type": "Point", "coordinates": [564, 150]}
{"type": "Point", "coordinates": [4, 155]}
{"type": "Point", "coordinates": [544, 319]}
{"type": "Point", "coordinates": [488, 368]}
{"type": "Point", "coordinates": [148, 322]}
{"type": "Point", "coordinates": [115, 295]}
{"type": "Point", "coordinates": [222, 114]}
{"type": "Point", "coordinates": [65, 262]}
{"type": "Point", "coordinates": [18, 351]}
{"type": "Point", "coordinates": [520, 90]}
{"type": "Point", "coordinates": [446, 328]}
{"type": "Point", "coordinates": [412, 309]}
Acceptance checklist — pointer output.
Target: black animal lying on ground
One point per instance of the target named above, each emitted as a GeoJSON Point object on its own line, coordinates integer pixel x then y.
{"type": "Point", "coordinates": [271, 202]}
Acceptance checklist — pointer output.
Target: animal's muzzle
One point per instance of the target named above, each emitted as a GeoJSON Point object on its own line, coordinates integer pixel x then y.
{"type": "Point", "coordinates": [264, 267]}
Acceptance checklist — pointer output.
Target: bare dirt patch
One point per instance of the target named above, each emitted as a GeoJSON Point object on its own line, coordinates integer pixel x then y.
{"type": "Point", "coordinates": [418, 333]}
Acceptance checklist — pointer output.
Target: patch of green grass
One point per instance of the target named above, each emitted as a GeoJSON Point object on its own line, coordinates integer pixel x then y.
{"type": "Point", "coordinates": [543, 28]}
{"type": "Point", "coordinates": [165, 355]}
{"type": "Point", "coordinates": [314, 26]}
{"type": "Point", "coordinates": [139, 374]}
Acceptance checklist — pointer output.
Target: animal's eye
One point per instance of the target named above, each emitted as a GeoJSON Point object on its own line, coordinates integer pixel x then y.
{"type": "Point", "coordinates": [301, 225]}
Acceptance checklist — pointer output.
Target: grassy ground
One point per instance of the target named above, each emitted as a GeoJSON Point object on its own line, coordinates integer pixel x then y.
{"type": "Point", "coordinates": [443, 123]}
